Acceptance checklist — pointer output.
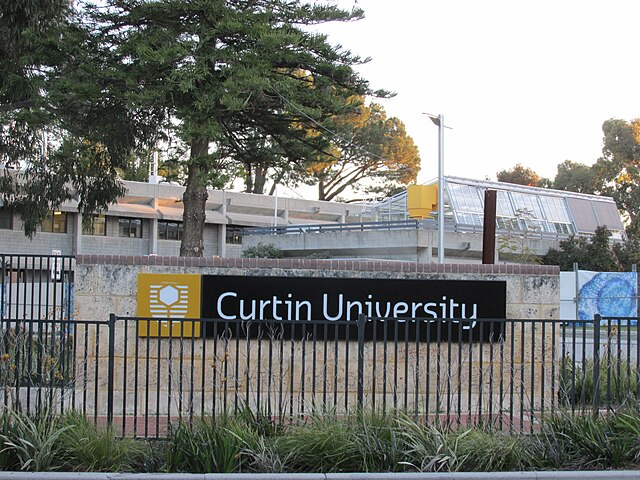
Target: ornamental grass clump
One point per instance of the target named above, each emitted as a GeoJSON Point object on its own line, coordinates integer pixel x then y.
{"type": "Point", "coordinates": [323, 444]}
{"type": "Point", "coordinates": [31, 443]}
{"type": "Point", "coordinates": [592, 442]}
{"type": "Point", "coordinates": [211, 445]}
{"type": "Point", "coordinates": [485, 450]}
{"type": "Point", "coordinates": [88, 447]}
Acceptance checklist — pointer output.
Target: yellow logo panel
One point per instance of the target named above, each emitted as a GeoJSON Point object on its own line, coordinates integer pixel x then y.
{"type": "Point", "coordinates": [166, 297]}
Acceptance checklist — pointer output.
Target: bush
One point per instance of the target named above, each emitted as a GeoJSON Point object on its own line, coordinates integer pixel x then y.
{"type": "Point", "coordinates": [89, 447]}
{"type": "Point", "coordinates": [618, 382]}
{"type": "Point", "coordinates": [210, 445]}
{"type": "Point", "coordinates": [32, 443]}
{"type": "Point", "coordinates": [262, 250]}
{"type": "Point", "coordinates": [323, 443]}
{"type": "Point", "coordinates": [590, 442]}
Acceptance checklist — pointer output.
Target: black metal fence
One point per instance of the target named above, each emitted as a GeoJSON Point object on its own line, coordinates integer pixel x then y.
{"type": "Point", "coordinates": [36, 287]}
{"type": "Point", "coordinates": [429, 368]}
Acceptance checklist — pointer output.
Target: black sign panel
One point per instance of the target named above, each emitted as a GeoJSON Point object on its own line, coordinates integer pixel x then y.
{"type": "Point", "coordinates": [446, 308]}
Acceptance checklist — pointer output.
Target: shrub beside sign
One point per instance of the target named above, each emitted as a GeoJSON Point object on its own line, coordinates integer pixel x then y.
{"type": "Point", "coordinates": [456, 304]}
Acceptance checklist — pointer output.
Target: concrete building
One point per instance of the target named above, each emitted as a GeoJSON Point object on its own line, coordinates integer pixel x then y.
{"type": "Point", "coordinates": [529, 221]}
{"type": "Point", "coordinates": [147, 221]}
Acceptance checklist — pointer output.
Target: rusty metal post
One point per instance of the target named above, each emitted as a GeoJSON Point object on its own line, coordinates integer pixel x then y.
{"type": "Point", "coordinates": [489, 228]}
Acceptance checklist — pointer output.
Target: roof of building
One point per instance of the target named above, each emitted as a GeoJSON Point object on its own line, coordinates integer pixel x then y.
{"type": "Point", "coordinates": [519, 207]}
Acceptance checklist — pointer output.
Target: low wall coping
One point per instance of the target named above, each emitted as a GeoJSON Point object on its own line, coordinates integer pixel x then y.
{"type": "Point", "coordinates": [319, 264]}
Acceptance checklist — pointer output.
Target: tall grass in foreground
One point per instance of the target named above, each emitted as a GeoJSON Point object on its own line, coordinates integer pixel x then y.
{"type": "Point", "coordinates": [92, 448]}
{"type": "Point", "coordinates": [589, 442]}
{"type": "Point", "coordinates": [322, 442]}
{"type": "Point", "coordinates": [71, 442]}
{"type": "Point", "coordinates": [618, 382]}
{"type": "Point", "coordinates": [357, 443]}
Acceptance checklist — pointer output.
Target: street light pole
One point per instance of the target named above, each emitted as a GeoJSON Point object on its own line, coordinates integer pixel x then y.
{"type": "Point", "coordinates": [439, 121]}
{"type": "Point", "coordinates": [441, 188]}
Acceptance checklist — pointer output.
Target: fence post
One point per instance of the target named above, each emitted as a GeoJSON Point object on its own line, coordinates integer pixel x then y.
{"type": "Point", "coordinates": [596, 364]}
{"type": "Point", "coordinates": [110, 373]}
{"type": "Point", "coordinates": [362, 321]}
{"type": "Point", "coordinates": [2, 292]}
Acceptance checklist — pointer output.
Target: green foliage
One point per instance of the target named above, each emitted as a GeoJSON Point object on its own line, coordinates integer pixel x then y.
{"type": "Point", "coordinates": [34, 441]}
{"type": "Point", "coordinates": [482, 450]}
{"type": "Point", "coordinates": [618, 169]}
{"type": "Point", "coordinates": [262, 250]}
{"type": "Point", "coordinates": [8, 461]}
{"type": "Point", "coordinates": [593, 253]}
{"type": "Point", "coordinates": [322, 443]}
{"type": "Point", "coordinates": [589, 442]}
{"type": "Point", "coordinates": [36, 359]}
{"type": "Point", "coordinates": [88, 447]}
{"type": "Point", "coordinates": [357, 443]}
{"type": "Point", "coordinates": [575, 177]}
{"type": "Point", "coordinates": [521, 175]}
{"type": "Point", "coordinates": [367, 146]}
{"type": "Point", "coordinates": [210, 445]}
{"type": "Point", "coordinates": [427, 448]}
{"type": "Point", "coordinates": [228, 81]}
{"type": "Point", "coordinates": [28, 29]}
{"type": "Point", "coordinates": [618, 382]}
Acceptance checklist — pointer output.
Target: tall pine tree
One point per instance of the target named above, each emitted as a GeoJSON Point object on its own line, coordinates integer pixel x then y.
{"type": "Point", "coordinates": [228, 72]}
{"type": "Point", "coordinates": [223, 76]}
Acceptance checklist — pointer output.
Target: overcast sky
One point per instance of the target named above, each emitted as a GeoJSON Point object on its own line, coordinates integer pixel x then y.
{"type": "Point", "coordinates": [527, 82]}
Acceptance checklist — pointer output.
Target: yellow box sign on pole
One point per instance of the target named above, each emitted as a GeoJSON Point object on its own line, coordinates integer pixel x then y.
{"type": "Point", "coordinates": [169, 296]}
{"type": "Point", "coordinates": [422, 200]}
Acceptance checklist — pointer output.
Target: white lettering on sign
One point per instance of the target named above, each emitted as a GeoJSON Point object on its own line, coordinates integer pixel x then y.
{"type": "Point", "coordinates": [229, 306]}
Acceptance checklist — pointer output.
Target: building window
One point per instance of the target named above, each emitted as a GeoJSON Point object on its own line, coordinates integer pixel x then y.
{"type": "Point", "coordinates": [234, 235]}
{"type": "Point", "coordinates": [98, 226]}
{"type": "Point", "coordinates": [130, 227]}
{"type": "Point", "coordinates": [168, 230]}
{"type": "Point", "coordinates": [6, 218]}
{"type": "Point", "coordinates": [55, 222]}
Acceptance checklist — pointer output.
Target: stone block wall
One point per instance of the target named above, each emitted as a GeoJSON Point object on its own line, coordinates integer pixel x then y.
{"type": "Point", "coordinates": [513, 379]}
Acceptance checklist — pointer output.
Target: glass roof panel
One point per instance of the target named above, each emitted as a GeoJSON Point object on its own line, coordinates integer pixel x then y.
{"type": "Point", "coordinates": [504, 207]}
{"type": "Point", "coordinates": [527, 205]}
{"type": "Point", "coordinates": [555, 209]}
{"type": "Point", "coordinates": [465, 198]}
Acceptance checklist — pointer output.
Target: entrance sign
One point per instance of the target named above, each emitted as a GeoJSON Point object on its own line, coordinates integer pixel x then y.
{"type": "Point", "coordinates": [446, 309]}
{"type": "Point", "coordinates": [457, 302]}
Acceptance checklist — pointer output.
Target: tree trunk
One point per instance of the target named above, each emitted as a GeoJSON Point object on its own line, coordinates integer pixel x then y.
{"type": "Point", "coordinates": [259, 179]}
{"type": "Point", "coordinates": [248, 177]}
{"type": "Point", "coordinates": [195, 199]}
{"type": "Point", "coordinates": [321, 193]}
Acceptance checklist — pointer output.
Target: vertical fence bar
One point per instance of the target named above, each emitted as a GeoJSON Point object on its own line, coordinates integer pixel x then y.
{"type": "Point", "coordinates": [361, 326]}
{"type": "Point", "coordinates": [110, 372]}
{"type": "Point", "coordinates": [347, 341]}
{"type": "Point", "coordinates": [533, 375]}
{"type": "Point", "coordinates": [596, 365]}
{"type": "Point", "coordinates": [609, 372]}
{"type": "Point", "coordinates": [124, 374]}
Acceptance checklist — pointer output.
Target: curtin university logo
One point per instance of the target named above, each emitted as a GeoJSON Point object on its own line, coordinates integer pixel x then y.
{"type": "Point", "coordinates": [167, 297]}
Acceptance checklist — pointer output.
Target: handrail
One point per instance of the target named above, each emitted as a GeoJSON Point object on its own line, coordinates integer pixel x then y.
{"type": "Point", "coordinates": [338, 227]}
{"type": "Point", "coordinates": [429, 224]}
